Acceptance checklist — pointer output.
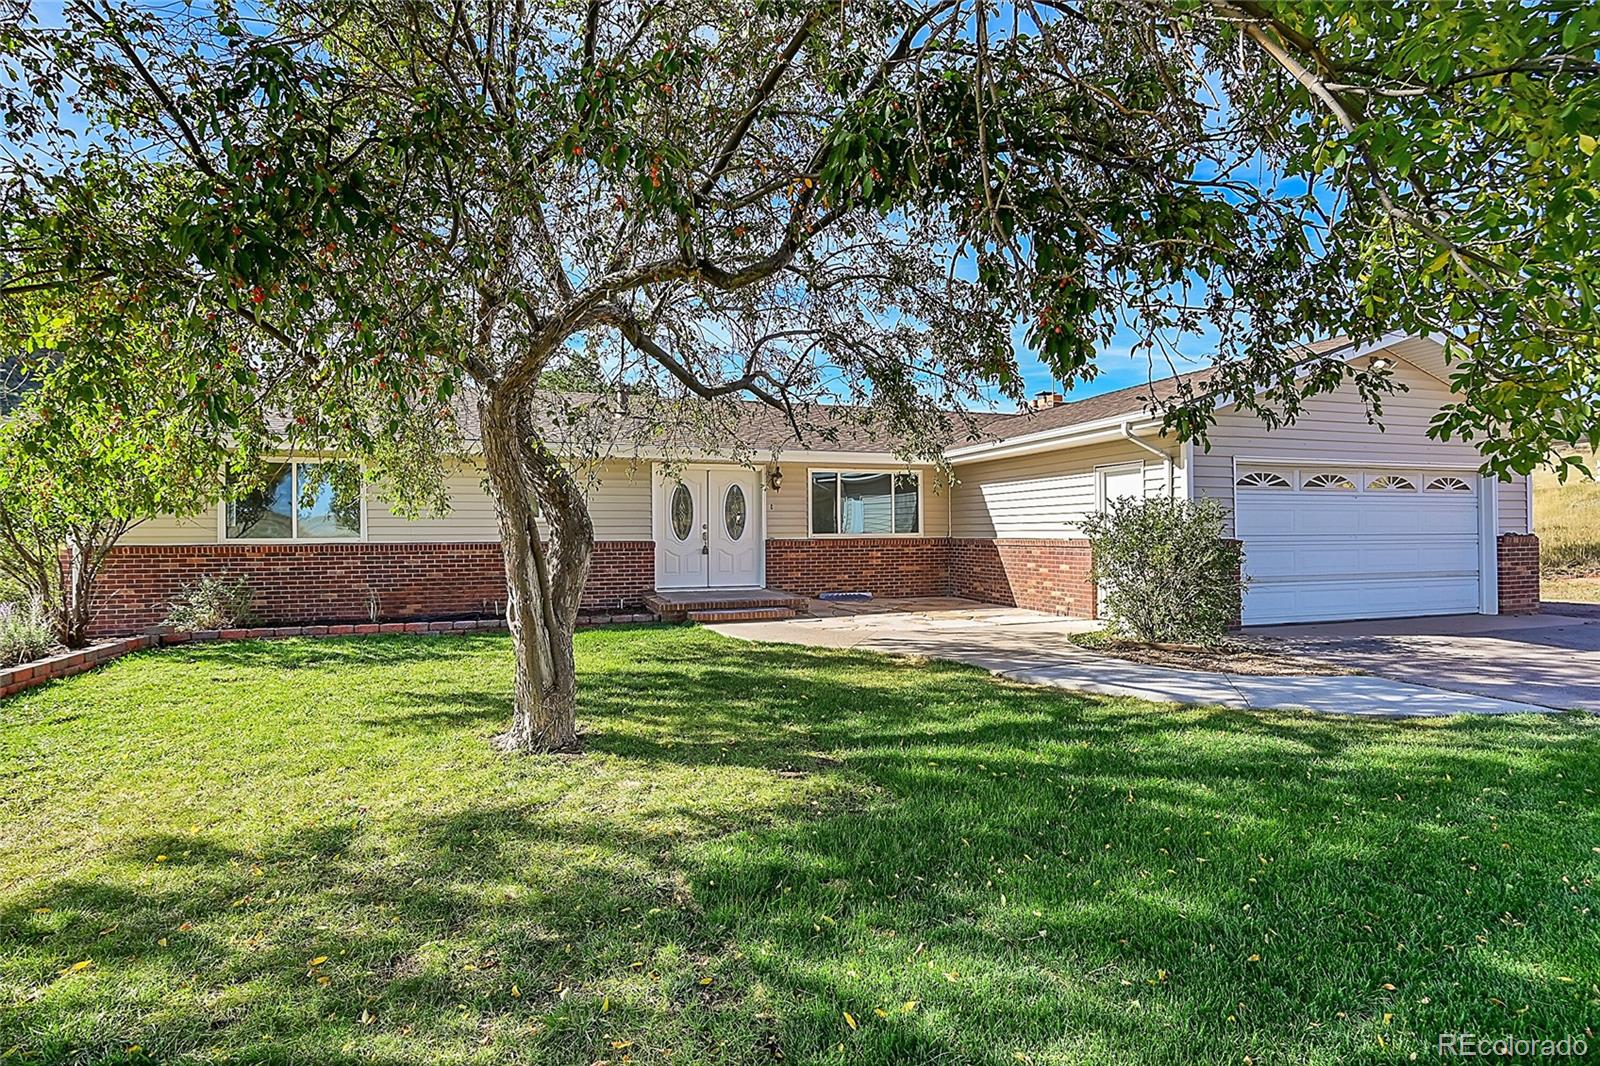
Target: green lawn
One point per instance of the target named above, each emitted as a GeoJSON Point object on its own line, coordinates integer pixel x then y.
{"type": "Point", "coordinates": [304, 851]}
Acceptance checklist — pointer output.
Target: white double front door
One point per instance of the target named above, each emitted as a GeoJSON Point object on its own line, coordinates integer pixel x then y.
{"type": "Point", "coordinates": [708, 528]}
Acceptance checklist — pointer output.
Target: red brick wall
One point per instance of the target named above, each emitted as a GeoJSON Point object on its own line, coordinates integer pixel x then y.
{"type": "Point", "coordinates": [621, 574]}
{"type": "Point", "coordinates": [883, 566]}
{"type": "Point", "coordinates": [1041, 575]}
{"type": "Point", "coordinates": [1519, 573]}
{"type": "Point", "coordinates": [335, 583]}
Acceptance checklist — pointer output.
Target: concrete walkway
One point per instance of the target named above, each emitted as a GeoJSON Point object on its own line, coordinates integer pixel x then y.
{"type": "Point", "coordinates": [1033, 648]}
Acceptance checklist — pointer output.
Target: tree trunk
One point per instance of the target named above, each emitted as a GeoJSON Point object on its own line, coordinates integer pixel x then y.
{"type": "Point", "coordinates": [544, 581]}
{"type": "Point", "coordinates": [77, 594]}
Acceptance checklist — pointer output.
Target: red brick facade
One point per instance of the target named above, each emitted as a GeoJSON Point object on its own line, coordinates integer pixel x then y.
{"type": "Point", "coordinates": [1040, 575]}
{"type": "Point", "coordinates": [325, 584]}
{"type": "Point", "coordinates": [621, 574]}
{"type": "Point", "coordinates": [1519, 573]}
{"type": "Point", "coordinates": [346, 583]}
{"type": "Point", "coordinates": [883, 566]}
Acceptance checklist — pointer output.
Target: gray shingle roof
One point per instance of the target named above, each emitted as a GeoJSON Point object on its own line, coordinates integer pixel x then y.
{"type": "Point", "coordinates": [598, 423]}
{"type": "Point", "coordinates": [577, 419]}
{"type": "Point", "coordinates": [1134, 400]}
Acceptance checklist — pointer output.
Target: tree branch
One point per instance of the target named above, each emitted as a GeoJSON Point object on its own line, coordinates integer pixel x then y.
{"type": "Point", "coordinates": [197, 153]}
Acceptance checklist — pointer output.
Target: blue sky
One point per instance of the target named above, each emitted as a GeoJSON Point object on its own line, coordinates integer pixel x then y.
{"type": "Point", "coordinates": [1118, 366]}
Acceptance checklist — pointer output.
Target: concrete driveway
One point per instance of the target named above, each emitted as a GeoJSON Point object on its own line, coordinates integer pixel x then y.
{"type": "Point", "coordinates": [1034, 648]}
{"type": "Point", "coordinates": [1551, 658]}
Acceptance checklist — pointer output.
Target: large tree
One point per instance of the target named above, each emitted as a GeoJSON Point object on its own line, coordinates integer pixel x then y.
{"type": "Point", "coordinates": [80, 465]}
{"type": "Point", "coordinates": [413, 205]}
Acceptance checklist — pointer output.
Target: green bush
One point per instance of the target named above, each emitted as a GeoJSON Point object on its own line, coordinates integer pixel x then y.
{"type": "Point", "coordinates": [1165, 571]}
{"type": "Point", "coordinates": [212, 603]}
{"type": "Point", "coordinates": [25, 633]}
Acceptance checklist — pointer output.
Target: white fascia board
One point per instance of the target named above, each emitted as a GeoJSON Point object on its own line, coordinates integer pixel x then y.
{"type": "Point", "coordinates": [749, 458]}
{"type": "Point", "coordinates": [1361, 351]}
{"type": "Point", "coordinates": [1096, 432]}
{"type": "Point", "coordinates": [1093, 432]}
{"type": "Point", "coordinates": [758, 457]}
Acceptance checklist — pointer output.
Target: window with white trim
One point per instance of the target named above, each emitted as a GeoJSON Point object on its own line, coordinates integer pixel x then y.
{"type": "Point", "coordinates": [865, 503]}
{"type": "Point", "coordinates": [1334, 482]}
{"type": "Point", "coordinates": [1449, 483]}
{"type": "Point", "coordinates": [1262, 479]}
{"type": "Point", "coordinates": [299, 501]}
{"type": "Point", "coordinates": [1390, 483]}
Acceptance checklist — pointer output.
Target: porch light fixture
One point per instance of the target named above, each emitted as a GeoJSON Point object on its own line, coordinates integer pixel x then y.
{"type": "Point", "coordinates": [1381, 363]}
{"type": "Point", "coordinates": [775, 478]}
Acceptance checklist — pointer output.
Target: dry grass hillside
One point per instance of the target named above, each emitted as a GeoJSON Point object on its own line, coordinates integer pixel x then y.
{"type": "Point", "coordinates": [1567, 519]}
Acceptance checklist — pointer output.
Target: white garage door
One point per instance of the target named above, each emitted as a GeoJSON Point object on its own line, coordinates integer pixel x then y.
{"type": "Point", "coordinates": [1325, 542]}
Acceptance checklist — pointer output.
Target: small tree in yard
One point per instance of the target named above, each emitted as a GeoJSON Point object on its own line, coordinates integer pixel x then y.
{"type": "Point", "coordinates": [80, 466]}
{"type": "Point", "coordinates": [382, 209]}
{"type": "Point", "coordinates": [1164, 571]}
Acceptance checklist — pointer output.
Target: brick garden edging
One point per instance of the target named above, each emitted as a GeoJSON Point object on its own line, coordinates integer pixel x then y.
{"type": "Point", "coordinates": [20, 678]}
{"type": "Point", "coordinates": [16, 679]}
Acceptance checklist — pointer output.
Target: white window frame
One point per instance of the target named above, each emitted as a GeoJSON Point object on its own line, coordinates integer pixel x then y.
{"type": "Point", "coordinates": [838, 489]}
{"type": "Point", "coordinates": [294, 536]}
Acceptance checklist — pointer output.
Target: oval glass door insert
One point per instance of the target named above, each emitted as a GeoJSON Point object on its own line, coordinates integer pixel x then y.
{"type": "Point", "coordinates": [682, 512]}
{"type": "Point", "coordinates": [733, 512]}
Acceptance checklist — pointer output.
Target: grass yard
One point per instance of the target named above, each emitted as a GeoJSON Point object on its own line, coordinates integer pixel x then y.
{"type": "Point", "coordinates": [1567, 519]}
{"type": "Point", "coordinates": [304, 851]}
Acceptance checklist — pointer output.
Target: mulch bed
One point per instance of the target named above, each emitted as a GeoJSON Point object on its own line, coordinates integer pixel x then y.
{"type": "Point", "coordinates": [1228, 657]}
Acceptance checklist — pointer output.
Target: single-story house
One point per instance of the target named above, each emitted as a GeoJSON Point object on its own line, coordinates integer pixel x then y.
{"type": "Point", "coordinates": [1339, 519]}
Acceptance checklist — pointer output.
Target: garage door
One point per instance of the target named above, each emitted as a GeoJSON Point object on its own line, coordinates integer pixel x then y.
{"type": "Point", "coordinates": [1326, 542]}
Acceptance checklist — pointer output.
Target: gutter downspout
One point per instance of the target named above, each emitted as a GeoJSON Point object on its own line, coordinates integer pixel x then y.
{"type": "Point", "coordinates": [1133, 438]}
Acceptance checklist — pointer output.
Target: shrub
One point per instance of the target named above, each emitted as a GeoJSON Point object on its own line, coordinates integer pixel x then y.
{"type": "Point", "coordinates": [212, 603]}
{"type": "Point", "coordinates": [25, 633]}
{"type": "Point", "coordinates": [1165, 572]}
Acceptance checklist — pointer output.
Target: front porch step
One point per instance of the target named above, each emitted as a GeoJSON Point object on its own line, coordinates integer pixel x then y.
{"type": "Point", "coordinates": [743, 614]}
{"type": "Point", "coordinates": [676, 606]}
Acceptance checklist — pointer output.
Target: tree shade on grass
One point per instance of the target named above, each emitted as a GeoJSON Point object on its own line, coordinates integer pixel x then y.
{"type": "Point", "coordinates": [304, 851]}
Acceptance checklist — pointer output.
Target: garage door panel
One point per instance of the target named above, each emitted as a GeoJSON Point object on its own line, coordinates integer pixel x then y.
{"type": "Point", "coordinates": [1314, 555]}
{"type": "Point", "coordinates": [1368, 598]}
{"type": "Point", "coordinates": [1252, 520]}
{"type": "Point", "coordinates": [1266, 559]}
{"type": "Point", "coordinates": [1416, 515]}
{"type": "Point", "coordinates": [1288, 560]}
{"type": "Point", "coordinates": [1316, 516]}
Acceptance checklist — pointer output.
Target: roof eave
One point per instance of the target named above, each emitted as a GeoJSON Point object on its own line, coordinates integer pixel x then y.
{"type": "Point", "coordinates": [1109, 428]}
{"type": "Point", "coordinates": [1097, 432]}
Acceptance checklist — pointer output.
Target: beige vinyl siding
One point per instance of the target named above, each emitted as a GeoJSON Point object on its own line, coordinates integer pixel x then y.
{"type": "Point", "coordinates": [470, 517]}
{"type": "Point", "coordinates": [619, 501]}
{"type": "Point", "coordinates": [165, 529]}
{"type": "Point", "coordinates": [1515, 501]}
{"type": "Point", "coordinates": [618, 495]}
{"type": "Point", "coordinates": [1048, 494]}
{"type": "Point", "coordinates": [788, 509]}
{"type": "Point", "coordinates": [1334, 427]}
